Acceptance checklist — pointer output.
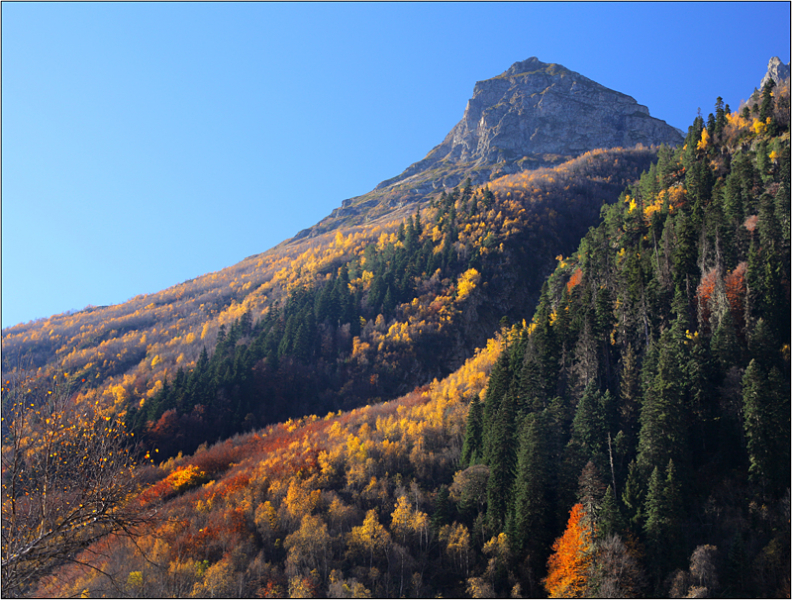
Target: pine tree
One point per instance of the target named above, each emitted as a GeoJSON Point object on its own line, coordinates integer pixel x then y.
{"type": "Point", "coordinates": [590, 425]}
{"type": "Point", "coordinates": [766, 108]}
{"type": "Point", "coordinates": [502, 461]}
{"type": "Point", "coordinates": [530, 515]}
{"type": "Point", "coordinates": [629, 397]}
{"type": "Point", "coordinates": [472, 446]}
{"type": "Point", "coordinates": [664, 418]}
{"type": "Point", "coordinates": [497, 387]}
{"type": "Point", "coordinates": [610, 518]}
{"type": "Point", "coordinates": [388, 303]}
{"type": "Point", "coordinates": [655, 526]}
{"type": "Point", "coordinates": [442, 509]}
{"type": "Point", "coordinates": [766, 411]}
{"type": "Point", "coordinates": [673, 501]}
{"type": "Point", "coordinates": [633, 495]}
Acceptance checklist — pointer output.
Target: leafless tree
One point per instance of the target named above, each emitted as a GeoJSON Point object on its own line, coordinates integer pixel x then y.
{"type": "Point", "coordinates": [68, 479]}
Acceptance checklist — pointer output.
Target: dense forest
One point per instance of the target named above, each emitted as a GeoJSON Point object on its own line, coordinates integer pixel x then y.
{"type": "Point", "coordinates": [404, 309]}
{"type": "Point", "coordinates": [324, 324]}
{"type": "Point", "coordinates": [650, 392]}
{"type": "Point", "coordinates": [624, 434]}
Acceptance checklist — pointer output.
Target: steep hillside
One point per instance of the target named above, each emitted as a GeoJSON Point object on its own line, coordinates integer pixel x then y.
{"type": "Point", "coordinates": [532, 115]}
{"type": "Point", "coordinates": [379, 305]}
{"type": "Point", "coordinates": [332, 320]}
{"type": "Point", "coordinates": [640, 419]}
{"type": "Point", "coordinates": [656, 362]}
{"type": "Point", "coordinates": [650, 393]}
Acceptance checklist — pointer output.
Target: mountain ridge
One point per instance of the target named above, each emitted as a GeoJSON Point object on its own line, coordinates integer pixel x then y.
{"type": "Point", "coordinates": [657, 361]}
{"type": "Point", "coordinates": [532, 115]}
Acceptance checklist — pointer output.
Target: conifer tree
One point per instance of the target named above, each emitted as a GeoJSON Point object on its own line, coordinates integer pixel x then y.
{"type": "Point", "coordinates": [530, 516]}
{"type": "Point", "coordinates": [610, 517]}
{"type": "Point", "coordinates": [497, 387]}
{"type": "Point", "coordinates": [442, 509]}
{"type": "Point", "coordinates": [633, 495]}
{"type": "Point", "coordinates": [472, 446]}
{"type": "Point", "coordinates": [502, 461]}
{"type": "Point", "coordinates": [629, 396]}
{"type": "Point", "coordinates": [664, 420]}
{"type": "Point", "coordinates": [655, 511]}
{"type": "Point", "coordinates": [766, 107]}
{"type": "Point", "coordinates": [766, 411]}
{"type": "Point", "coordinates": [590, 425]}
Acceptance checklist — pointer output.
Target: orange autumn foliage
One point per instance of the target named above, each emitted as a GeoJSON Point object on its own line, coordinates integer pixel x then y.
{"type": "Point", "coordinates": [568, 566]}
{"type": "Point", "coordinates": [577, 277]}
{"type": "Point", "coordinates": [705, 290]}
{"type": "Point", "coordinates": [734, 282]}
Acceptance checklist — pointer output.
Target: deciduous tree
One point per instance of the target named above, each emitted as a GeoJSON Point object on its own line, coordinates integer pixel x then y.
{"type": "Point", "coordinates": [68, 477]}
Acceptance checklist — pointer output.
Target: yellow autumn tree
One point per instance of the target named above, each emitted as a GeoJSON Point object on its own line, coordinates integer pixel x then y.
{"type": "Point", "coordinates": [702, 144]}
{"type": "Point", "coordinates": [308, 547]}
{"type": "Point", "coordinates": [370, 538]}
{"type": "Point", "coordinates": [467, 283]}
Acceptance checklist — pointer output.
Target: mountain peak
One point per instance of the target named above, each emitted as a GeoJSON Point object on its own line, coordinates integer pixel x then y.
{"type": "Point", "coordinates": [525, 66]}
{"type": "Point", "coordinates": [536, 109]}
{"type": "Point", "coordinates": [532, 115]}
{"type": "Point", "coordinates": [776, 70]}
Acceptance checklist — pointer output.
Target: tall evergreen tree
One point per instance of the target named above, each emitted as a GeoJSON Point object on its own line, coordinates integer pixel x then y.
{"type": "Point", "coordinates": [502, 459]}
{"type": "Point", "coordinates": [530, 516]}
{"type": "Point", "coordinates": [472, 446]}
{"type": "Point", "coordinates": [767, 423]}
{"type": "Point", "coordinates": [664, 418]}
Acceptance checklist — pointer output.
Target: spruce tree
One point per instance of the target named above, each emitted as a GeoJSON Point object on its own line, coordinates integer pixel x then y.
{"type": "Point", "coordinates": [633, 495]}
{"type": "Point", "coordinates": [497, 386]}
{"type": "Point", "coordinates": [610, 517]}
{"type": "Point", "coordinates": [766, 413]}
{"type": "Point", "coordinates": [530, 514]}
{"type": "Point", "coordinates": [502, 461]}
{"type": "Point", "coordinates": [629, 397]}
{"type": "Point", "coordinates": [766, 108]}
{"type": "Point", "coordinates": [472, 446]}
{"type": "Point", "coordinates": [590, 426]}
{"type": "Point", "coordinates": [655, 526]}
{"type": "Point", "coordinates": [442, 509]}
{"type": "Point", "coordinates": [664, 418]}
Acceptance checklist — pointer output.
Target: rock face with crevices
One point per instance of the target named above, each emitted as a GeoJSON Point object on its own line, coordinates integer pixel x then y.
{"type": "Point", "coordinates": [536, 109]}
{"type": "Point", "coordinates": [776, 70]}
{"type": "Point", "coordinates": [533, 115]}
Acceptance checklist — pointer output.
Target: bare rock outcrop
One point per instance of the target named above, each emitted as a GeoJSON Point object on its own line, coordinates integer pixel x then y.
{"type": "Point", "coordinates": [536, 109]}
{"type": "Point", "coordinates": [533, 115]}
{"type": "Point", "coordinates": [776, 70]}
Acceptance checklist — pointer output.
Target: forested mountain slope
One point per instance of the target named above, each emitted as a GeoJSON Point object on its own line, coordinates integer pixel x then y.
{"type": "Point", "coordinates": [651, 392]}
{"type": "Point", "coordinates": [639, 416]}
{"type": "Point", "coordinates": [384, 302]}
{"type": "Point", "coordinates": [327, 323]}
{"type": "Point", "coordinates": [640, 419]}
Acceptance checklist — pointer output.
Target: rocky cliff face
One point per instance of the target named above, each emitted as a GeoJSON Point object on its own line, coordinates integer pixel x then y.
{"type": "Point", "coordinates": [536, 109]}
{"type": "Point", "coordinates": [776, 70]}
{"type": "Point", "coordinates": [533, 115]}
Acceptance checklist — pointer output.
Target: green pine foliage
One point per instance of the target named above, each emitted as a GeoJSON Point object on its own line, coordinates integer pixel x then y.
{"type": "Point", "coordinates": [649, 391]}
{"type": "Point", "coordinates": [665, 342]}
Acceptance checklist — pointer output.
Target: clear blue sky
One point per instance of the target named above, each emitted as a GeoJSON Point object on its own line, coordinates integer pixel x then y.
{"type": "Point", "coordinates": [146, 144]}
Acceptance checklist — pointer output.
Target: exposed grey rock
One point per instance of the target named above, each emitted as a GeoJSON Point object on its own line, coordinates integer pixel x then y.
{"type": "Point", "coordinates": [776, 70]}
{"type": "Point", "coordinates": [536, 109]}
{"type": "Point", "coordinates": [533, 115]}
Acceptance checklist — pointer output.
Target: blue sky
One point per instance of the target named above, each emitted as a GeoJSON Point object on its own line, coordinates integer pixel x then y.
{"type": "Point", "coordinates": [144, 144]}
